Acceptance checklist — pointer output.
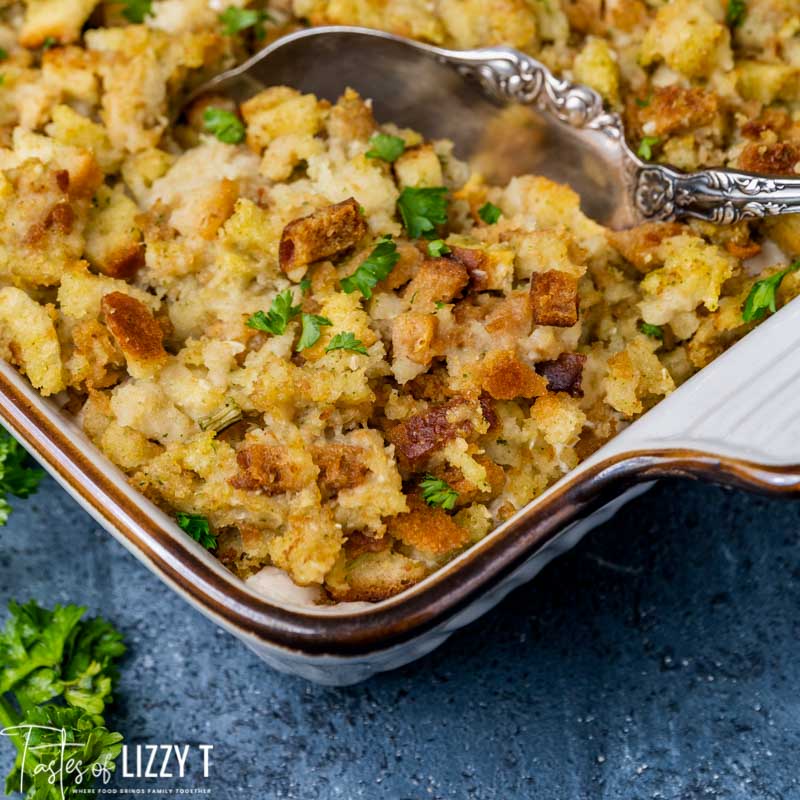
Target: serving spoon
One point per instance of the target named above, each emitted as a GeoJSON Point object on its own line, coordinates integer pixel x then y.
{"type": "Point", "coordinates": [507, 114]}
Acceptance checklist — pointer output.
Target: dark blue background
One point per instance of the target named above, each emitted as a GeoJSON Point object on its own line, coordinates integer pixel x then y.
{"type": "Point", "coordinates": [660, 659]}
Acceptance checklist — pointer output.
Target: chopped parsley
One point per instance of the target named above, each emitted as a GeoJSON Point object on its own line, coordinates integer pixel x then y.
{"type": "Point", "coordinates": [3, 54]}
{"type": "Point", "coordinates": [646, 146]}
{"type": "Point", "coordinates": [225, 125]}
{"type": "Point", "coordinates": [346, 341]}
{"type": "Point", "coordinates": [736, 12]}
{"type": "Point", "coordinates": [386, 147]}
{"type": "Point", "coordinates": [311, 330]}
{"type": "Point", "coordinates": [440, 303]}
{"type": "Point", "coordinates": [438, 493]}
{"type": "Point", "coordinates": [235, 20]}
{"type": "Point", "coordinates": [489, 213]}
{"type": "Point", "coordinates": [198, 527]}
{"type": "Point", "coordinates": [375, 267]}
{"type": "Point", "coordinates": [437, 248]}
{"type": "Point", "coordinates": [644, 102]}
{"type": "Point", "coordinates": [762, 296]}
{"type": "Point", "coordinates": [305, 285]}
{"type": "Point", "coordinates": [277, 318]}
{"type": "Point", "coordinates": [422, 209]}
{"type": "Point", "coordinates": [16, 476]}
{"type": "Point", "coordinates": [654, 331]}
{"type": "Point", "coordinates": [49, 41]}
{"type": "Point", "coordinates": [136, 10]}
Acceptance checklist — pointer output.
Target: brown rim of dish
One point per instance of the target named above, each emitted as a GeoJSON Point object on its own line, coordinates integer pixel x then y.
{"type": "Point", "coordinates": [401, 618]}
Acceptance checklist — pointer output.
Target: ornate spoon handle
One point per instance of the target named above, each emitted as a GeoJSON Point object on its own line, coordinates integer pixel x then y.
{"type": "Point", "coordinates": [657, 192]}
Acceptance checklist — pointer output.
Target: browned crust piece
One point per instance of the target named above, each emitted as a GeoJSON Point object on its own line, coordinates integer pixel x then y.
{"type": "Point", "coordinates": [439, 280]}
{"type": "Point", "coordinates": [266, 468]}
{"type": "Point", "coordinates": [676, 109]}
{"type": "Point", "coordinates": [780, 158]}
{"type": "Point", "coordinates": [468, 492]}
{"type": "Point", "coordinates": [564, 374]}
{"type": "Point", "coordinates": [638, 245]}
{"type": "Point", "coordinates": [554, 298]}
{"type": "Point", "coordinates": [340, 467]}
{"type": "Point", "coordinates": [413, 336]}
{"type": "Point", "coordinates": [475, 261]}
{"type": "Point", "coordinates": [504, 376]}
{"type": "Point", "coordinates": [136, 331]}
{"type": "Point", "coordinates": [323, 234]}
{"type": "Point", "coordinates": [427, 529]}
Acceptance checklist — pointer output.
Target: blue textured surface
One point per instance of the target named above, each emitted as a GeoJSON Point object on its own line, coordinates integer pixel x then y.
{"type": "Point", "coordinates": [660, 659]}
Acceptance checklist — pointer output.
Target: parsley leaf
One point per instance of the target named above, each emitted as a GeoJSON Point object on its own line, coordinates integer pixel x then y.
{"type": "Point", "coordinates": [437, 248]}
{"type": "Point", "coordinates": [489, 213]}
{"type": "Point", "coordinates": [346, 341]}
{"type": "Point", "coordinates": [377, 266]}
{"type": "Point", "coordinates": [277, 318]}
{"type": "Point", "coordinates": [16, 477]}
{"type": "Point", "coordinates": [198, 527]}
{"type": "Point", "coordinates": [422, 209]}
{"type": "Point", "coordinates": [311, 330]}
{"type": "Point", "coordinates": [136, 10]}
{"type": "Point", "coordinates": [305, 285]}
{"type": "Point", "coordinates": [438, 493]}
{"type": "Point", "coordinates": [763, 294]}
{"type": "Point", "coordinates": [736, 12]}
{"type": "Point", "coordinates": [3, 54]}
{"type": "Point", "coordinates": [225, 125]}
{"type": "Point", "coordinates": [655, 331]}
{"type": "Point", "coordinates": [234, 20]}
{"type": "Point", "coordinates": [386, 147]}
{"type": "Point", "coordinates": [644, 102]}
{"type": "Point", "coordinates": [646, 146]}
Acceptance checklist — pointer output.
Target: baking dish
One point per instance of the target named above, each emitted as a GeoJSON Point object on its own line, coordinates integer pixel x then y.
{"type": "Point", "coordinates": [734, 423]}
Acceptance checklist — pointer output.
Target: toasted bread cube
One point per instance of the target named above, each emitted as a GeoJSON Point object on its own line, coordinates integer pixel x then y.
{"type": "Point", "coordinates": [138, 335]}
{"type": "Point", "coordinates": [419, 166]}
{"type": "Point", "coordinates": [429, 530]}
{"type": "Point", "coordinates": [61, 20]}
{"type": "Point", "coordinates": [326, 233]}
{"type": "Point", "coordinates": [269, 469]}
{"type": "Point", "coordinates": [765, 83]}
{"type": "Point", "coordinates": [676, 109]}
{"type": "Point", "coordinates": [351, 118]}
{"type": "Point", "coordinates": [596, 66]}
{"type": "Point", "coordinates": [71, 128]}
{"type": "Point", "coordinates": [113, 239]}
{"type": "Point", "coordinates": [640, 245]}
{"type": "Point", "coordinates": [439, 280]}
{"type": "Point", "coordinates": [504, 376]}
{"type": "Point", "coordinates": [554, 299]}
{"type": "Point", "coordinates": [373, 576]}
{"type": "Point", "coordinates": [413, 335]}
{"type": "Point", "coordinates": [278, 111]}
{"type": "Point", "coordinates": [780, 158]}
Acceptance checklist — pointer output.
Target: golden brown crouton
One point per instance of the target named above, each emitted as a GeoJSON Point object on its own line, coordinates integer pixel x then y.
{"type": "Point", "coordinates": [554, 299]}
{"type": "Point", "coordinates": [510, 317]}
{"type": "Point", "coordinates": [780, 158]}
{"type": "Point", "coordinates": [326, 233]}
{"type": "Point", "coordinates": [100, 362]}
{"type": "Point", "coordinates": [563, 374]}
{"type": "Point", "coordinates": [341, 466]}
{"type": "Point", "coordinates": [372, 576]}
{"type": "Point", "coordinates": [640, 245]}
{"type": "Point", "coordinates": [438, 280]}
{"type": "Point", "coordinates": [138, 335]}
{"type": "Point", "coordinates": [468, 491]}
{"type": "Point", "coordinates": [351, 118]}
{"type": "Point", "coordinates": [504, 376]}
{"type": "Point", "coordinates": [676, 109]}
{"type": "Point", "coordinates": [413, 335]}
{"type": "Point", "coordinates": [429, 530]}
{"type": "Point", "coordinates": [267, 469]}
{"type": "Point", "coordinates": [57, 19]}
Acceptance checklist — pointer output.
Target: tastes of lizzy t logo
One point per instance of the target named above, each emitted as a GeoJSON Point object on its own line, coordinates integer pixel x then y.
{"type": "Point", "coordinates": [48, 757]}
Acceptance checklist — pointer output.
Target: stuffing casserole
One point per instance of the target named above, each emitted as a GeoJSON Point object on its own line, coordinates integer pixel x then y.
{"type": "Point", "coordinates": [319, 340]}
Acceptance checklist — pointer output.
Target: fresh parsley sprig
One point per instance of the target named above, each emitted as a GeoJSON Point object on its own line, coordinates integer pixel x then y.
{"type": "Point", "coordinates": [136, 10]}
{"type": "Point", "coordinates": [437, 248]}
{"type": "Point", "coordinates": [735, 13]}
{"type": "Point", "coordinates": [653, 331]}
{"type": "Point", "coordinates": [223, 124]}
{"type": "Point", "coordinates": [17, 477]}
{"type": "Point", "coordinates": [377, 266]}
{"type": "Point", "coordinates": [386, 147]}
{"type": "Point", "coordinates": [490, 213]}
{"type": "Point", "coordinates": [198, 527]}
{"type": "Point", "coordinates": [346, 341]}
{"type": "Point", "coordinates": [235, 20]}
{"type": "Point", "coordinates": [646, 146]}
{"type": "Point", "coordinates": [438, 493]}
{"type": "Point", "coordinates": [763, 295]}
{"type": "Point", "coordinates": [280, 313]}
{"type": "Point", "coordinates": [311, 330]}
{"type": "Point", "coordinates": [422, 209]}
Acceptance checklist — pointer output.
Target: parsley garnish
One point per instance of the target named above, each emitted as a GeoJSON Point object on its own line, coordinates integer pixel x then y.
{"type": "Point", "coordinates": [377, 266]}
{"type": "Point", "coordinates": [57, 671]}
{"type": "Point", "coordinates": [277, 318]}
{"type": "Point", "coordinates": [644, 102]}
{"type": "Point", "coordinates": [646, 146]}
{"type": "Point", "coordinates": [49, 41]}
{"type": "Point", "coordinates": [225, 125]}
{"type": "Point", "coordinates": [305, 285]}
{"type": "Point", "coordinates": [234, 20]}
{"type": "Point", "coordinates": [386, 147]}
{"type": "Point", "coordinates": [311, 330]}
{"type": "Point", "coordinates": [346, 341]}
{"type": "Point", "coordinates": [198, 527]}
{"type": "Point", "coordinates": [137, 10]}
{"type": "Point", "coordinates": [737, 10]}
{"type": "Point", "coordinates": [437, 248]}
{"type": "Point", "coordinates": [489, 213]}
{"type": "Point", "coordinates": [438, 493]}
{"type": "Point", "coordinates": [16, 477]}
{"type": "Point", "coordinates": [3, 54]}
{"type": "Point", "coordinates": [422, 209]}
{"type": "Point", "coordinates": [654, 331]}
{"type": "Point", "coordinates": [763, 294]}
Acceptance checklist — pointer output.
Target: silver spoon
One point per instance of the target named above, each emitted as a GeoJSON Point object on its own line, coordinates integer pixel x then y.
{"type": "Point", "coordinates": [560, 129]}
